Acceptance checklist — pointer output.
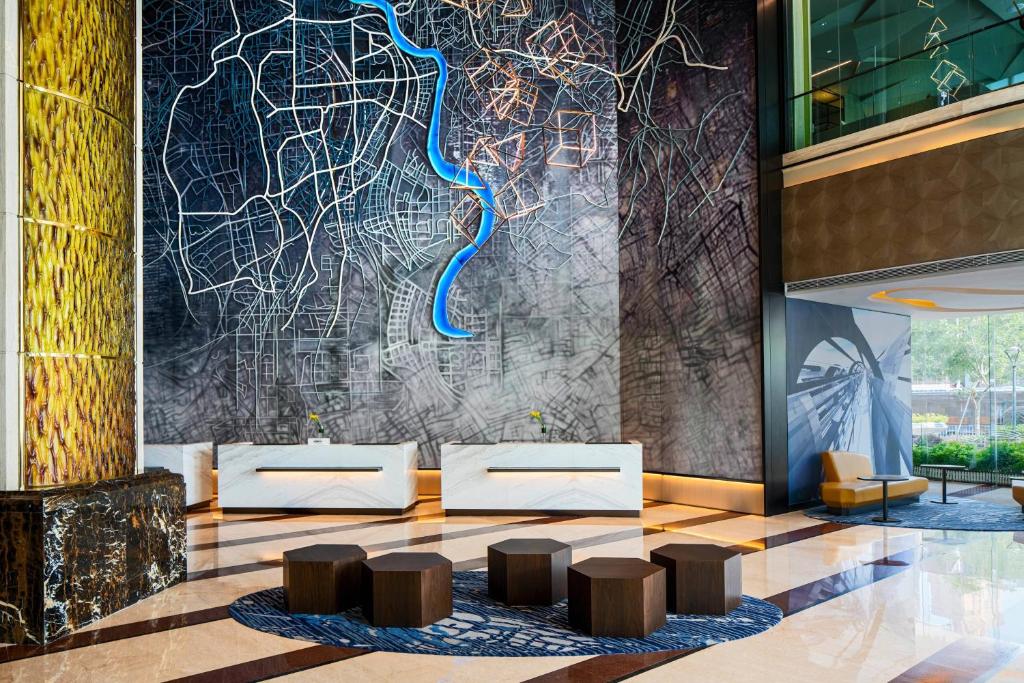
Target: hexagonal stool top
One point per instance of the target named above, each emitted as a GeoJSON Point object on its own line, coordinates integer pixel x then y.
{"type": "Point", "coordinates": [617, 596]}
{"type": "Point", "coordinates": [528, 571]}
{"type": "Point", "coordinates": [701, 578]}
{"type": "Point", "coordinates": [323, 579]}
{"type": "Point", "coordinates": [407, 589]}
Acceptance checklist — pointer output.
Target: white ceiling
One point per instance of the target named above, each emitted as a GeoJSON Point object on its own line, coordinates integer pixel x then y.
{"type": "Point", "coordinates": [995, 289]}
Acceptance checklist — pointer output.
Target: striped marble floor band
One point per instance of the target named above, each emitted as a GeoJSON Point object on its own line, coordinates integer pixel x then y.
{"type": "Point", "coordinates": [275, 665]}
{"type": "Point", "coordinates": [216, 524]}
{"type": "Point", "coordinates": [788, 537]}
{"type": "Point", "coordinates": [973, 491]}
{"type": "Point", "coordinates": [963, 661]}
{"type": "Point", "coordinates": [285, 535]}
{"type": "Point", "coordinates": [211, 545]}
{"type": "Point", "coordinates": [611, 667]}
{"type": "Point", "coordinates": [111, 633]}
{"type": "Point", "coordinates": [283, 516]}
{"type": "Point", "coordinates": [230, 570]}
{"type": "Point", "coordinates": [478, 563]}
{"type": "Point", "coordinates": [798, 599]}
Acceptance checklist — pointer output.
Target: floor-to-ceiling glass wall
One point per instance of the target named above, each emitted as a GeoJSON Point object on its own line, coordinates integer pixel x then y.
{"type": "Point", "coordinates": [857, 64]}
{"type": "Point", "coordinates": [968, 402]}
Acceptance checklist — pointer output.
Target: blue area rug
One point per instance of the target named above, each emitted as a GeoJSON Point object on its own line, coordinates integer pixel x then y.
{"type": "Point", "coordinates": [966, 515]}
{"type": "Point", "coordinates": [481, 627]}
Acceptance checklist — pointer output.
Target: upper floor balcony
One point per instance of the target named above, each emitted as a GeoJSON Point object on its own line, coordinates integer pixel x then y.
{"type": "Point", "coordinates": [859, 64]}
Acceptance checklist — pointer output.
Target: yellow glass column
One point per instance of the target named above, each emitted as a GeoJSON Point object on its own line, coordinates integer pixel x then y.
{"type": "Point", "coordinates": [78, 240]}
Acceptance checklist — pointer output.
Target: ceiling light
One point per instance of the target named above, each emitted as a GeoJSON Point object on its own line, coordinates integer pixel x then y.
{"type": "Point", "coordinates": [916, 303]}
{"type": "Point", "coordinates": [831, 68]}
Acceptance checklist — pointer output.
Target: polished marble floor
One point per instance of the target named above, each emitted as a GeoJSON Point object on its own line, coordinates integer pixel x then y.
{"type": "Point", "coordinates": [862, 603]}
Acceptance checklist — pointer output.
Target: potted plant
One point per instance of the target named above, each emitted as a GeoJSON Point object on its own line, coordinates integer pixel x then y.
{"type": "Point", "coordinates": [319, 438]}
{"type": "Point", "coordinates": [538, 417]}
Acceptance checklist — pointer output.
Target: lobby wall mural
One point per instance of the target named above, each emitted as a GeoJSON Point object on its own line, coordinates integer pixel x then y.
{"type": "Point", "coordinates": [400, 216]}
{"type": "Point", "coordinates": [848, 388]}
{"type": "Point", "coordinates": [689, 252]}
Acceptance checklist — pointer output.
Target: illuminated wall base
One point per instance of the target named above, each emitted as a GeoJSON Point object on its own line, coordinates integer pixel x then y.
{"type": "Point", "coordinates": [721, 494]}
{"type": "Point", "coordinates": [429, 482]}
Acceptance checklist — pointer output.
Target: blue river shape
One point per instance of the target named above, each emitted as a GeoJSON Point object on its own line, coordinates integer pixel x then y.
{"type": "Point", "coordinates": [445, 169]}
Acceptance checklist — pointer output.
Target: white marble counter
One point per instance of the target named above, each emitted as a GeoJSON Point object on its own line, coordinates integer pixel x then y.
{"type": "Point", "coordinates": [194, 461]}
{"type": "Point", "coordinates": [529, 476]}
{"type": "Point", "coordinates": [371, 477]}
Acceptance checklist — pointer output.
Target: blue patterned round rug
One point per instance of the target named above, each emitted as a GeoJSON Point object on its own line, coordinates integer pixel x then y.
{"type": "Point", "coordinates": [966, 515]}
{"type": "Point", "coordinates": [481, 627]}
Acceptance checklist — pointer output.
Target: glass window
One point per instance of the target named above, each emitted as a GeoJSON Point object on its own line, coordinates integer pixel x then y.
{"type": "Point", "coordinates": [967, 401]}
{"type": "Point", "coordinates": [858, 64]}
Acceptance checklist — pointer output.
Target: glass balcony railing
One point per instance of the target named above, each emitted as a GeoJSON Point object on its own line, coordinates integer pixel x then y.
{"type": "Point", "coordinates": [856, 94]}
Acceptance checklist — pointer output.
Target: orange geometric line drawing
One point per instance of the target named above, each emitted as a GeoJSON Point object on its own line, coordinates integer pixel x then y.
{"type": "Point", "coordinates": [465, 216]}
{"type": "Point", "coordinates": [517, 9]}
{"type": "Point", "coordinates": [477, 8]}
{"type": "Point", "coordinates": [572, 141]}
{"type": "Point", "coordinates": [507, 153]}
{"type": "Point", "coordinates": [566, 44]}
{"type": "Point", "coordinates": [519, 197]}
{"type": "Point", "coordinates": [504, 92]}
{"type": "Point", "coordinates": [468, 172]}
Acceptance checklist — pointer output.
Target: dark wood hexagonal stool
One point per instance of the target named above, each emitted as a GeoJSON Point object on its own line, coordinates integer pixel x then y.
{"type": "Point", "coordinates": [617, 596]}
{"type": "Point", "coordinates": [702, 578]}
{"type": "Point", "coordinates": [407, 589]}
{"type": "Point", "coordinates": [323, 579]}
{"type": "Point", "coordinates": [528, 571]}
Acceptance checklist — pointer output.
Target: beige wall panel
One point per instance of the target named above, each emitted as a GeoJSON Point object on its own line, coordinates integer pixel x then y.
{"type": "Point", "coordinates": [961, 200]}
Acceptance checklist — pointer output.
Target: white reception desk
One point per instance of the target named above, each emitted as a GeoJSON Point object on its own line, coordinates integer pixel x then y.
{"type": "Point", "coordinates": [194, 461]}
{"type": "Point", "coordinates": [368, 478]}
{"type": "Point", "coordinates": [527, 477]}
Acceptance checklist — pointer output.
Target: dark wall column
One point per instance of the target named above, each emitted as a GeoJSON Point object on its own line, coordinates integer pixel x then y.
{"type": "Point", "coordinates": [770, 110]}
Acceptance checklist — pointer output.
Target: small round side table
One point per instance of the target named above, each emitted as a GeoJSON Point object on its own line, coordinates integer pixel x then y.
{"type": "Point", "coordinates": [885, 479]}
{"type": "Point", "coordinates": [945, 470]}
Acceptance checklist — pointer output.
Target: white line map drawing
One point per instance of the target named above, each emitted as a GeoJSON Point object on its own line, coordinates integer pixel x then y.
{"type": "Point", "coordinates": [294, 227]}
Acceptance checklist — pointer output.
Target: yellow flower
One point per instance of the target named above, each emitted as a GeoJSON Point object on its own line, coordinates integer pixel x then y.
{"type": "Point", "coordinates": [535, 414]}
{"type": "Point", "coordinates": [314, 417]}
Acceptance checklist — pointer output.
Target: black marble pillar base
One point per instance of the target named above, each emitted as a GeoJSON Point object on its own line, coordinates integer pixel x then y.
{"type": "Point", "coordinates": [70, 555]}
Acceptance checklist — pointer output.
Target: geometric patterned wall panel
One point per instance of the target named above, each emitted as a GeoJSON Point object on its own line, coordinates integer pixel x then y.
{"type": "Point", "coordinates": [689, 252]}
{"type": "Point", "coordinates": [79, 419]}
{"type": "Point", "coordinates": [78, 292]}
{"type": "Point", "coordinates": [85, 50]}
{"type": "Point", "coordinates": [78, 240]}
{"type": "Point", "coordinates": [78, 165]}
{"type": "Point", "coordinates": [960, 200]}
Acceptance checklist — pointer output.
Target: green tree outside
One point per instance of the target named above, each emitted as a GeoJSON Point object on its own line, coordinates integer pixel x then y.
{"type": "Point", "coordinates": [970, 356]}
